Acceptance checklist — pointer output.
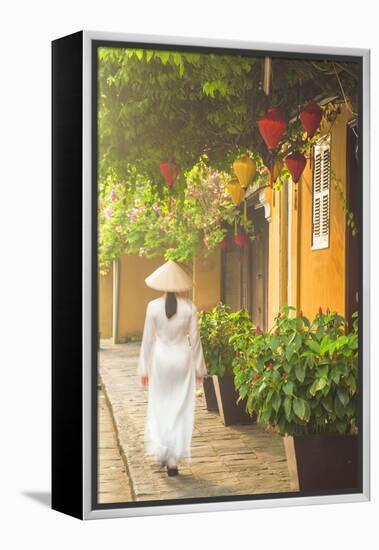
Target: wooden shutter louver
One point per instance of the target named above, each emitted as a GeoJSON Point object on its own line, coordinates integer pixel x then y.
{"type": "Point", "coordinates": [321, 194]}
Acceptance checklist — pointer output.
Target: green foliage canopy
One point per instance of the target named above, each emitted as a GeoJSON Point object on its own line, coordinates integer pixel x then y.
{"type": "Point", "coordinates": [159, 104]}
{"type": "Point", "coordinates": [155, 105]}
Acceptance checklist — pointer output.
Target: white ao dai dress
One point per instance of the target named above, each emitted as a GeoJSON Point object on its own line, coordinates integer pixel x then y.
{"type": "Point", "coordinates": [171, 356]}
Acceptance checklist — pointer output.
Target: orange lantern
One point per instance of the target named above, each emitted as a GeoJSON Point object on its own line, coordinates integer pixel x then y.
{"type": "Point", "coordinates": [275, 170]}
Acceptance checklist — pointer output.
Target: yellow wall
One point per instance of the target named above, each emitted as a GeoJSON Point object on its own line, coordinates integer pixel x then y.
{"type": "Point", "coordinates": [322, 272]}
{"type": "Point", "coordinates": [274, 257]}
{"type": "Point", "coordinates": [207, 280]}
{"type": "Point", "coordinates": [298, 275]}
{"type": "Point", "coordinates": [105, 304]}
{"type": "Point", "coordinates": [134, 293]}
{"type": "Point", "coordinates": [133, 298]}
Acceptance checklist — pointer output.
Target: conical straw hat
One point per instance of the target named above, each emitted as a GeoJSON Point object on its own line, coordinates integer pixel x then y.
{"type": "Point", "coordinates": [169, 277]}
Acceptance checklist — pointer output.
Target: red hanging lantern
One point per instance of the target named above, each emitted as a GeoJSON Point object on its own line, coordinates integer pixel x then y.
{"type": "Point", "coordinates": [310, 117]}
{"type": "Point", "coordinates": [272, 127]}
{"type": "Point", "coordinates": [295, 163]}
{"type": "Point", "coordinates": [170, 172]}
{"type": "Point", "coordinates": [241, 238]}
{"type": "Point", "coordinates": [224, 243]}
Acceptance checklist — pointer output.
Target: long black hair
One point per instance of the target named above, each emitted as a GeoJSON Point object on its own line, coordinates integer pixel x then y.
{"type": "Point", "coordinates": [171, 304]}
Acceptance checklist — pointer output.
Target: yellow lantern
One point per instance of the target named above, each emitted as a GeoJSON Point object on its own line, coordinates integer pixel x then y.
{"type": "Point", "coordinates": [244, 168]}
{"type": "Point", "coordinates": [275, 170]}
{"type": "Point", "coordinates": [236, 192]}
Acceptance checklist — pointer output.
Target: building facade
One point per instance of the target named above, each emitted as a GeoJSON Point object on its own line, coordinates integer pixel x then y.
{"type": "Point", "coordinates": [303, 253]}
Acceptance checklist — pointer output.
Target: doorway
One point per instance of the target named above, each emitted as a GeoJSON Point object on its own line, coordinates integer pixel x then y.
{"type": "Point", "coordinates": [244, 271]}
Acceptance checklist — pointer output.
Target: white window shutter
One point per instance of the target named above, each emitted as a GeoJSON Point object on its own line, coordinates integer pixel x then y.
{"type": "Point", "coordinates": [321, 194]}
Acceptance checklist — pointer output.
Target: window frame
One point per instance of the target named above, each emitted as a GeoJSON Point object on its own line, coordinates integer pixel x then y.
{"type": "Point", "coordinates": [323, 241]}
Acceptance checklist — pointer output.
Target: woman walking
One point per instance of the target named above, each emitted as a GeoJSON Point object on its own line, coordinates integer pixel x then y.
{"type": "Point", "coordinates": [171, 361]}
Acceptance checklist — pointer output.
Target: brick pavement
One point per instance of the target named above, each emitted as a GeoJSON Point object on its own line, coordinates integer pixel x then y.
{"type": "Point", "coordinates": [113, 481]}
{"type": "Point", "coordinates": [233, 460]}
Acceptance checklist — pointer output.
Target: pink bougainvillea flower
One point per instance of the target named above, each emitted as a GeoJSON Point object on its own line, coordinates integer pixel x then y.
{"type": "Point", "coordinates": [134, 213]}
{"type": "Point", "coordinates": [108, 213]}
{"type": "Point", "coordinates": [112, 195]}
{"type": "Point", "coordinates": [155, 207]}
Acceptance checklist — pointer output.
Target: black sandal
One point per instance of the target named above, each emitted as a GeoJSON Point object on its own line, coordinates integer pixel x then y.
{"type": "Point", "coordinates": [172, 471]}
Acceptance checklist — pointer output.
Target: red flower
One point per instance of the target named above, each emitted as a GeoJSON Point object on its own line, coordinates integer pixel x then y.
{"type": "Point", "coordinates": [258, 329]}
{"type": "Point", "coordinates": [271, 367]}
{"type": "Point", "coordinates": [238, 353]}
{"type": "Point", "coordinates": [277, 332]}
{"type": "Point", "coordinates": [327, 311]}
{"type": "Point", "coordinates": [320, 310]}
{"type": "Point", "coordinates": [255, 377]}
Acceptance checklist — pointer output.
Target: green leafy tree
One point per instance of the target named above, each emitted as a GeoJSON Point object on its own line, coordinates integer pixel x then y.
{"type": "Point", "coordinates": [158, 104]}
{"type": "Point", "coordinates": [180, 105]}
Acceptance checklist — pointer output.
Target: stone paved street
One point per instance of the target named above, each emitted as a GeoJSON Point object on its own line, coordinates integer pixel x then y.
{"type": "Point", "coordinates": [114, 483]}
{"type": "Point", "coordinates": [225, 460]}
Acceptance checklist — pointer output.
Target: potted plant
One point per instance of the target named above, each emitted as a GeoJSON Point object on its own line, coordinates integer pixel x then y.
{"type": "Point", "coordinates": [216, 326]}
{"type": "Point", "coordinates": [301, 378]}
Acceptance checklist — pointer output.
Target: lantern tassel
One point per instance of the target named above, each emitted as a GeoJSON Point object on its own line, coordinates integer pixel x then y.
{"type": "Point", "coordinates": [235, 226]}
{"type": "Point", "coordinates": [244, 212]}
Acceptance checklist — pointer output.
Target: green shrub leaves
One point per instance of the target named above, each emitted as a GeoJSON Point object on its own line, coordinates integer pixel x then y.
{"type": "Point", "coordinates": [302, 375]}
